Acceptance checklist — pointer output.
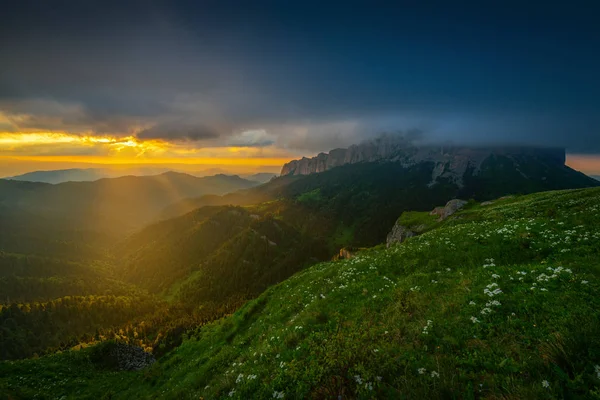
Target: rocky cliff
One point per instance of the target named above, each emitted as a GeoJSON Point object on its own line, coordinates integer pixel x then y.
{"type": "Point", "coordinates": [450, 161]}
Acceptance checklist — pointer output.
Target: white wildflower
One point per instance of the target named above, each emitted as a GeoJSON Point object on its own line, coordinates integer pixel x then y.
{"type": "Point", "coordinates": [545, 384]}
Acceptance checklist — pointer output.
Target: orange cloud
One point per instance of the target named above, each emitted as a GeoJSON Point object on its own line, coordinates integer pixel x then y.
{"type": "Point", "coordinates": [65, 147]}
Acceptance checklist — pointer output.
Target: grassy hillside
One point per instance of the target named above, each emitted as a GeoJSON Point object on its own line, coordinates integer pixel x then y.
{"type": "Point", "coordinates": [498, 301]}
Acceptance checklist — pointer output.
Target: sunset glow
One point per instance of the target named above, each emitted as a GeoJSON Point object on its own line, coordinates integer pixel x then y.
{"type": "Point", "coordinates": [111, 150]}
{"type": "Point", "coordinates": [586, 163]}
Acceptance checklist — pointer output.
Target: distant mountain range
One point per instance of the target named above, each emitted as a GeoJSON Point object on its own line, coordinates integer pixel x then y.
{"type": "Point", "coordinates": [261, 177]}
{"type": "Point", "coordinates": [93, 174]}
{"type": "Point", "coordinates": [109, 205]}
{"type": "Point", "coordinates": [82, 174]}
{"type": "Point", "coordinates": [597, 177]}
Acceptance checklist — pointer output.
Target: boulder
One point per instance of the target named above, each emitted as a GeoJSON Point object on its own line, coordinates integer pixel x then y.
{"type": "Point", "coordinates": [398, 234]}
{"type": "Point", "coordinates": [450, 208]}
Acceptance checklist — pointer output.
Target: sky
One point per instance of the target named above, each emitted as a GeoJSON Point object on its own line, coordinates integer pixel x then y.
{"type": "Point", "coordinates": [251, 85]}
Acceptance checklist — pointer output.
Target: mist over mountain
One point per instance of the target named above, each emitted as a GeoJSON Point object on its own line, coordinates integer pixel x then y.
{"type": "Point", "coordinates": [93, 174]}
{"type": "Point", "coordinates": [63, 175]}
{"type": "Point", "coordinates": [261, 177]}
{"type": "Point", "coordinates": [451, 161]}
{"type": "Point", "coordinates": [111, 205]}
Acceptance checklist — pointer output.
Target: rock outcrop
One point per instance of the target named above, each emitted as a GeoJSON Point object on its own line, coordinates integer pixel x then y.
{"type": "Point", "coordinates": [450, 208]}
{"type": "Point", "coordinates": [398, 234]}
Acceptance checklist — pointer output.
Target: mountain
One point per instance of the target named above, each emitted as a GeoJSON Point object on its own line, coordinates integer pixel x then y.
{"type": "Point", "coordinates": [261, 177]}
{"type": "Point", "coordinates": [71, 243]}
{"type": "Point", "coordinates": [597, 177]}
{"type": "Point", "coordinates": [257, 194]}
{"type": "Point", "coordinates": [450, 162]}
{"type": "Point", "coordinates": [357, 203]}
{"type": "Point", "coordinates": [63, 175]}
{"type": "Point", "coordinates": [225, 250]}
{"type": "Point", "coordinates": [109, 206]}
{"type": "Point", "coordinates": [86, 174]}
{"type": "Point", "coordinates": [451, 313]}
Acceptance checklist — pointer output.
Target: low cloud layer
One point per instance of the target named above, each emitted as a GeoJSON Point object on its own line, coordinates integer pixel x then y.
{"type": "Point", "coordinates": [302, 78]}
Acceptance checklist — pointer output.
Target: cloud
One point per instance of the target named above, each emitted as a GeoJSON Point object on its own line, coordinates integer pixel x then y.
{"type": "Point", "coordinates": [304, 77]}
{"type": "Point", "coordinates": [48, 115]}
{"type": "Point", "coordinates": [252, 138]}
{"type": "Point", "coordinates": [176, 131]}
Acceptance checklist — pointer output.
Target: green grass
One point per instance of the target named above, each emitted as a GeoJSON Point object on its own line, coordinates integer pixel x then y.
{"type": "Point", "coordinates": [494, 302]}
{"type": "Point", "coordinates": [418, 221]}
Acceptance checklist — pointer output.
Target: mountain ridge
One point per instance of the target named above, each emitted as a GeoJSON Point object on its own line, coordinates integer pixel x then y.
{"type": "Point", "coordinates": [451, 161]}
{"type": "Point", "coordinates": [111, 205]}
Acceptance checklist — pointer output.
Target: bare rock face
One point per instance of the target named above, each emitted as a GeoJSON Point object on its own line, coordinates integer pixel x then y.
{"type": "Point", "coordinates": [450, 162]}
{"type": "Point", "coordinates": [398, 234]}
{"type": "Point", "coordinates": [450, 208]}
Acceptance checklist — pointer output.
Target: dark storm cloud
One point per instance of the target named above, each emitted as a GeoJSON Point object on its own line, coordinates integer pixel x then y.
{"type": "Point", "coordinates": [179, 131]}
{"type": "Point", "coordinates": [313, 75]}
